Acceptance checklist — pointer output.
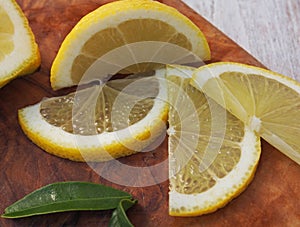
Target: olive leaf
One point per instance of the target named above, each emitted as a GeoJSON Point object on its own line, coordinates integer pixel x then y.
{"type": "Point", "coordinates": [119, 217]}
{"type": "Point", "coordinates": [66, 196]}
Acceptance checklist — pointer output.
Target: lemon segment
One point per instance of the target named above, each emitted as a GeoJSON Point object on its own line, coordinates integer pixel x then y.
{"type": "Point", "coordinates": [19, 54]}
{"type": "Point", "coordinates": [212, 155]}
{"type": "Point", "coordinates": [101, 122]}
{"type": "Point", "coordinates": [119, 24]}
{"type": "Point", "coordinates": [269, 103]}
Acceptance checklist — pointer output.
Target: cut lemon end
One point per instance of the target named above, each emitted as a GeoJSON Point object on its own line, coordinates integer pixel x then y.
{"type": "Point", "coordinates": [266, 101]}
{"type": "Point", "coordinates": [65, 127]}
{"type": "Point", "coordinates": [119, 24]}
{"type": "Point", "coordinates": [212, 155]}
{"type": "Point", "coordinates": [19, 54]}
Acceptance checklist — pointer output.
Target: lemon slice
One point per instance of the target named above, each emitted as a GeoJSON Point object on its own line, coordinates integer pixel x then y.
{"type": "Point", "coordinates": [19, 54]}
{"type": "Point", "coordinates": [212, 155]}
{"type": "Point", "coordinates": [101, 122]}
{"type": "Point", "coordinates": [269, 103]}
{"type": "Point", "coordinates": [124, 24]}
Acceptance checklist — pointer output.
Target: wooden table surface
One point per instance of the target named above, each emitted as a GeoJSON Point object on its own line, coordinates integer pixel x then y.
{"type": "Point", "coordinates": [270, 200]}
{"type": "Point", "coordinates": [269, 30]}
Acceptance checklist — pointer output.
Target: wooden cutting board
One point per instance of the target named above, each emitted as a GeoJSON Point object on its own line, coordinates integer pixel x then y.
{"type": "Point", "coordinates": [272, 199]}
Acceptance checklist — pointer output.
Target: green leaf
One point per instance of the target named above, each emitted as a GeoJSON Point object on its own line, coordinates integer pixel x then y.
{"type": "Point", "coordinates": [119, 217]}
{"type": "Point", "coordinates": [66, 196]}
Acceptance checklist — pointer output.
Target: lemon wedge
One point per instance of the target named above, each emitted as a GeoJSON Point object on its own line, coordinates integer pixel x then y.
{"type": "Point", "coordinates": [19, 54]}
{"type": "Point", "coordinates": [212, 154]}
{"type": "Point", "coordinates": [101, 122]}
{"type": "Point", "coordinates": [132, 27]}
{"type": "Point", "coordinates": [267, 102]}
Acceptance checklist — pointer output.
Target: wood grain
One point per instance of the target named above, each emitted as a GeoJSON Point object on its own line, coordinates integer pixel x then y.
{"type": "Point", "coordinates": [268, 30]}
{"type": "Point", "coordinates": [270, 200]}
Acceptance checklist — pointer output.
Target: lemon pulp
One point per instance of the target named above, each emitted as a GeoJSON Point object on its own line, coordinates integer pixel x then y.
{"type": "Point", "coordinates": [127, 32]}
{"type": "Point", "coordinates": [59, 111]}
{"type": "Point", "coordinates": [6, 33]}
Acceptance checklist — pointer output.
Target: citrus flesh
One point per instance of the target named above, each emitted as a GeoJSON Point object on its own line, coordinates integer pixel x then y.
{"type": "Point", "coordinates": [19, 54]}
{"type": "Point", "coordinates": [101, 122]}
{"type": "Point", "coordinates": [212, 155]}
{"type": "Point", "coordinates": [269, 103]}
{"type": "Point", "coordinates": [119, 24]}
